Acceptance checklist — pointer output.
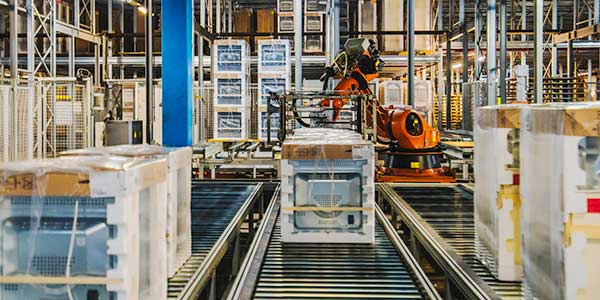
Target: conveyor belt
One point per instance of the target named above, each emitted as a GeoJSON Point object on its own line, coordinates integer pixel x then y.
{"type": "Point", "coordinates": [449, 211]}
{"type": "Point", "coordinates": [213, 208]}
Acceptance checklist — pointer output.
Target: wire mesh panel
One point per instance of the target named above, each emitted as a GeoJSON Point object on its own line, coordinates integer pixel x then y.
{"type": "Point", "coordinates": [16, 123]}
{"type": "Point", "coordinates": [65, 116]}
{"type": "Point", "coordinates": [23, 123]}
{"type": "Point", "coordinates": [5, 121]}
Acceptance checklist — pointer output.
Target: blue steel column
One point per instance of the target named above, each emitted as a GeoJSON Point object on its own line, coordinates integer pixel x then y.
{"type": "Point", "coordinates": [177, 71]}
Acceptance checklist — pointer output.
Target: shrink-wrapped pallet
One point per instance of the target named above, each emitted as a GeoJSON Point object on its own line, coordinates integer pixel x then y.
{"type": "Point", "coordinates": [497, 202]}
{"type": "Point", "coordinates": [84, 228]}
{"type": "Point", "coordinates": [178, 199]}
{"type": "Point", "coordinates": [327, 187]}
{"type": "Point", "coordinates": [560, 226]}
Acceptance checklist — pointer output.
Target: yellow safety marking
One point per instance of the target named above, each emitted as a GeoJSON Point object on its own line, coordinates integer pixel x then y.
{"type": "Point", "coordinates": [509, 191]}
{"type": "Point", "coordinates": [584, 223]}
{"type": "Point", "coordinates": [415, 164]}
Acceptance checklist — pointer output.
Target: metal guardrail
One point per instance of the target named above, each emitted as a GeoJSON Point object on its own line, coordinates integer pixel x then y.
{"type": "Point", "coordinates": [317, 271]}
{"type": "Point", "coordinates": [200, 271]}
{"type": "Point", "coordinates": [459, 277]}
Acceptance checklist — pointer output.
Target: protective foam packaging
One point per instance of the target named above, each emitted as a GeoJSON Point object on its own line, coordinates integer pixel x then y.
{"type": "Point", "coordinates": [497, 202]}
{"type": "Point", "coordinates": [90, 227]}
{"type": "Point", "coordinates": [179, 182]}
{"type": "Point", "coordinates": [560, 146]}
{"type": "Point", "coordinates": [327, 187]}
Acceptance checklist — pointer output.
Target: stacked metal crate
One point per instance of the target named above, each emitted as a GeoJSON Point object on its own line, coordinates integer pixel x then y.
{"type": "Point", "coordinates": [314, 11]}
{"type": "Point", "coordinates": [274, 69]}
{"type": "Point", "coordinates": [231, 97]}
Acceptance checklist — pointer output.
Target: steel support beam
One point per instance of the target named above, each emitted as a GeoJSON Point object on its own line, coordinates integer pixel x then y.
{"type": "Point", "coordinates": [298, 44]}
{"type": "Point", "coordinates": [554, 54]}
{"type": "Point", "coordinates": [465, 44]}
{"type": "Point", "coordinates": [177, 72]}
{"type": "Point", "coordinates": [502, 68]}
{"type": "Point", "coordinates": [478, 30]}
{"type": "Point", "coordinates": [149, 38]}
{"type": "Point", "coordinates": [449, 65]}
{"type": "Point", "coordinates": [538, 65]}
{"type": "Point", "coordinates": [491, 52]}
{"type": "Point", "coordinates": [411, 51]}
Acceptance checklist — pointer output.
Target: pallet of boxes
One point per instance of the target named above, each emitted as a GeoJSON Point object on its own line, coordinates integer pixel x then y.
{"type": "Point", "coordinates": [231, 96]}
{"type": "Point", "coordinates": [560, 193]}
{"type": "Point", "coordinates": [274, 69]}
{"type": "Point", "coordinates": [497, 201]}
{"type": "Point", "coordinates": [327, 187]}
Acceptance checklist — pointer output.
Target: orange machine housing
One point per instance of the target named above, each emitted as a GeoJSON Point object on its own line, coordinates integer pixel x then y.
{"type": "Point", "coordinates": [413, 151]}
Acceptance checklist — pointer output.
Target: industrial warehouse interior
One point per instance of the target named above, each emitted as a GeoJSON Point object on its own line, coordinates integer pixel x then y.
{"type": "Point", "coordinates": [299, 149]}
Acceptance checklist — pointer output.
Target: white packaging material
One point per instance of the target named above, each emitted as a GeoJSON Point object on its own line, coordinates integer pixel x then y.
{"type": "Point", "coordinates": [274, 56]}
{"type": "Point", "coordinates": [178, 198]}
{"type": "Point", "coordinates": [231, 56]}
{"type": "Point", "coordinates": [392, 92]}
{"type": "Point", "coordinates": [327, 187]}
{"type": "Point", "coordinates": [231, 90]}
{"type": "Point", "coordinates": [117, 248]}
{"type": "Point", "coordinates": [263, 126]}
{"type": "Point", "coordinates": [231, 124]}
{"type": "Point", "coordinates": [497, 203]}
{"type": "Point", "coordinates": [271, 82]}
{"type": "Point", "coordinates": [559, 190]}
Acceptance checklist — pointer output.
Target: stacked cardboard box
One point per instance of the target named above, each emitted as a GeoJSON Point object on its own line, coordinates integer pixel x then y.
{"type": "Point", "coordinates": [327, 187]}
{"type": "Point", "coordinates": [274, 71]}
{"type": "Point", "coordinates": [231, 97]}
{"type": "Point", "coordinates": [560, 224]}
{"type": "Point", "coordinates": [84, 227]}
{"type": "Point", "coordinates": [497, 201]}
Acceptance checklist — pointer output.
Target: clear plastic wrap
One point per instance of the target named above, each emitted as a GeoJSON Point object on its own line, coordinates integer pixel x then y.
{"type": "Point", "coordinates": [178, 228]}
{"type": "Point", "coordinates": [231, 56]}
{"type": "Point", "coordinates": [274, 56]}
{"type": "Point", "coordinates": [497, 203]}
{"type": "Point", "coordinates": [559, 191]}
{"type": "Point", "coordinates": [231, 124]}
{"type": "Point", "coordinates": [327, 187]}
{"type": "Point", "coordinates": [81, 228]}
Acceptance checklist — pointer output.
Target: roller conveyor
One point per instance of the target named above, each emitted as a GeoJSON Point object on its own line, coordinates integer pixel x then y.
{"type": "Point", "coordinates": [384, 270]}
{"type": "Point", "coordinates": [334, 271]}
{"type": "Point", "coordinates": [214, 207]}
{"type": "Point", "coordinates": [449, 211]}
